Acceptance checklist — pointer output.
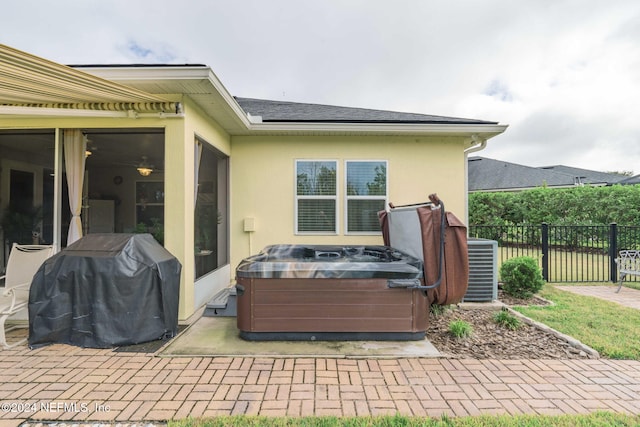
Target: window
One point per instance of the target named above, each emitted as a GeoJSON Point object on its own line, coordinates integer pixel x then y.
{"type": "Point", "coordinates": [316, 196]}
{"type": "Point", "coordinates": [366, 194]}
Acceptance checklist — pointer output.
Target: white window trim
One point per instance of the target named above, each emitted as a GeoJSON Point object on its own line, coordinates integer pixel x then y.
{"type": "Point", "coordinates": [347, 197]}
{"type": "Point", "coordinates": [297, 198]}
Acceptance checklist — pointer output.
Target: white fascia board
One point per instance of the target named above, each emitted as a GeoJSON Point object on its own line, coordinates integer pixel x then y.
{"type": "Point", "coordinates": [384, 128]}
{"type": "Point", "coordinates": [133, 72]}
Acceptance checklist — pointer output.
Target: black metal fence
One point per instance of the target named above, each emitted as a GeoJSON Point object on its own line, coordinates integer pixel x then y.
{"type": "Point", "coordinates": [575, 253]}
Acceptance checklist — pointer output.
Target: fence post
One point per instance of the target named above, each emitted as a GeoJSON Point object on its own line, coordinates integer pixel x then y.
{"type": "Point", "coordinates": [613, 251]}
{"type": "Point", "coordinates": [545, 251]}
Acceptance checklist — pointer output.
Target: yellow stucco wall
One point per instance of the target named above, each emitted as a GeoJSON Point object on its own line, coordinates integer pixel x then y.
{"type": "Point", "coordinates": [263, 182]}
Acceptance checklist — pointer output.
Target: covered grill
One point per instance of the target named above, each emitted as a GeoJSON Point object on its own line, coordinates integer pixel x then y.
{"type": "Point", "coordinates": [105, 290]}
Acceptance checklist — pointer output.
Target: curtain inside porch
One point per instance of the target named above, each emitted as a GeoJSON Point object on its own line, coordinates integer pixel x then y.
{"type": "Point", "coordinates": [197, 159]}
{"type": "Point", "coordinates": [74, 157]}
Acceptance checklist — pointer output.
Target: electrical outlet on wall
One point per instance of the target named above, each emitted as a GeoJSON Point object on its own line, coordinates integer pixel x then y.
{"type": "Point", "coordinates": [249, 224]}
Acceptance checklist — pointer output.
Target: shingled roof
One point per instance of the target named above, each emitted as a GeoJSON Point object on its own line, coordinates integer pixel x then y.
{"type": "Point", "coordinates": [586, 175]}
{"type": "Point", "coordinates": [495, 175]}
{"type": "Point", "coordinates": [283, 111]}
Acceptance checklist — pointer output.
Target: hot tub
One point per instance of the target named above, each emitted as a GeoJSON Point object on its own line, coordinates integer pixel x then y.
{"type": "Point", "coordinates": [303, 292]}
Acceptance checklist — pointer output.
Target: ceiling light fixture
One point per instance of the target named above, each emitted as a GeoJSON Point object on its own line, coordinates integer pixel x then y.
{"type": "Point", "coordinates": [144, 168]}
{"type": "Point", "coordinates": [144, 171]}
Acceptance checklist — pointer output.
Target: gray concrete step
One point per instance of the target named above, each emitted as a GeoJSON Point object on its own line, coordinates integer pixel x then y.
{"type": "Point", "coordinates": [223, 304]}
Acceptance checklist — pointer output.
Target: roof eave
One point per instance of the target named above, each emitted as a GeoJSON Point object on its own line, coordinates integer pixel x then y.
{"type": "Point", "coordinates": [170, 79]}
{"type": "Point", "coordinates": [237, 122]}
{"type": "Point", "coordinates": [556, 186]}
{"type": "Point", "coordinates": [482, 130]}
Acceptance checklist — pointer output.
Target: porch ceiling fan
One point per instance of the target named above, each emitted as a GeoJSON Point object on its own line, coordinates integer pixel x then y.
{"type": "Point", "coordinates": [125, 157]}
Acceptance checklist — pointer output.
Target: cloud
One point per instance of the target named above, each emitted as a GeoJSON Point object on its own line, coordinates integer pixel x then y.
{"type": "Point", "coordinates": [499, 90]}
{"type": "Point", "coordinates": [138, 51]}
{"type": "Point", "coordinates": [158, 54]}
{"type": "Point", "coordinates": [564, 74]}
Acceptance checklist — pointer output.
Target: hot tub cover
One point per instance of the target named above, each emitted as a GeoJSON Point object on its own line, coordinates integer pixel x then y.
{"type": "Point", "coordinates": [328, 262]}
{"type": "Point", "coordinates": [105, 290]}
{"type": "Point", "coordinates": [439, 239]}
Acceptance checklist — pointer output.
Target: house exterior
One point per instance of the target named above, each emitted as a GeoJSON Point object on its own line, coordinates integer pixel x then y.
{"type": "Point", "coordinates": [496, 175]}
{"type": "Point", "coordinates": [168, 150]}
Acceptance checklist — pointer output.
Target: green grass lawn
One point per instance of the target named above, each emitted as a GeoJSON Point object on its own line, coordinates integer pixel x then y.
{"type": "Point", "coordinates": [564, 265]}
{"type": "Point", "coordinates": [609, 328]}
{"type": "Point", "coordinates": [598, 419]}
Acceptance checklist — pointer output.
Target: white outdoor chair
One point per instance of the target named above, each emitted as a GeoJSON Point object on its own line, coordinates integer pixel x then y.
{"type": "Point", "coordinates": [24, 262]}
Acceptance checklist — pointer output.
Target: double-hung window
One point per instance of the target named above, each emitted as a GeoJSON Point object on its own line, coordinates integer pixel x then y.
{"type": "Point", "coordinates": [316, 197]}
{"type": "Point", "coordinates": [366, 195]}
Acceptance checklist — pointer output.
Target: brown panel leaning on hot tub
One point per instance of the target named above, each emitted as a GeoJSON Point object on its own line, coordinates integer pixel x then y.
{"type": "Point", "coordinates": [455, 277]}
{"type": "Point", "coordinates": [419, 234]}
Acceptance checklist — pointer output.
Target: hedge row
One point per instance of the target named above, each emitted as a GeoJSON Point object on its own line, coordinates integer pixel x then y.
{"type": "Point", "coordinates": [572, 206]}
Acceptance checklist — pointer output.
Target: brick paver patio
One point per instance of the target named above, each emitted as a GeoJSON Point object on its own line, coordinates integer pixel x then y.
{"type": "Point", "coordinates": [61, 382]}
{"type": "Point", "coordinates": [66, 383]}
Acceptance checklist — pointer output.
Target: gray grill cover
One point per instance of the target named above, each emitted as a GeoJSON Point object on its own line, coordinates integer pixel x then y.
{"type": "Point", "coordinates": [105, 290]}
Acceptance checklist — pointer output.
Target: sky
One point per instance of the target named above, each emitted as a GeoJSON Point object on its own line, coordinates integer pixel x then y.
{"type": "Point", "coordinates": [563, 74]}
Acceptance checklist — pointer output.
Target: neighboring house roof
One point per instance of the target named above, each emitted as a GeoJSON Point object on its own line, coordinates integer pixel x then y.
{"type": "Point", "coordinates": [588, 176]}
{"type": "Point", "coordinates": [285, 111]}
{"type": "Point", "coordinates": [495, 175]}
{"type": "Point", "coordinates": [630, 180]}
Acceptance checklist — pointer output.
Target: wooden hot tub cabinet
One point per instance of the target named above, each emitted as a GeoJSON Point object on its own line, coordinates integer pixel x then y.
{"type": "Point", "coordinates": [331, 298]}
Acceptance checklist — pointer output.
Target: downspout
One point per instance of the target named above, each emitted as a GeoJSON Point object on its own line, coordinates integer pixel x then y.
{"type": "Point", "coordinates": [480, 144]}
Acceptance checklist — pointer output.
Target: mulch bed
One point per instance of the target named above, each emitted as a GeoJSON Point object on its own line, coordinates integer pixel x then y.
{"type": "Point", "coordinates": [490, 340]}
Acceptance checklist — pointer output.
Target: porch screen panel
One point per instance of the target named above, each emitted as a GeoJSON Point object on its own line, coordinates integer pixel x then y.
{"type": "Point", "coordinates": [366, 193]}
{"type": "Point", "coordinates": [27, 193]}
{"type": "Point", "coordinates": [211, 209]}
{"type": "Point", "coordinates": [316, 196]}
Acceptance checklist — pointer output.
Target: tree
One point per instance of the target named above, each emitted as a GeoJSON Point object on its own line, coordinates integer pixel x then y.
{"type": "Point", "coordinates": [378, 186]}
{"type": "Point", "coordinates": [317, 180]}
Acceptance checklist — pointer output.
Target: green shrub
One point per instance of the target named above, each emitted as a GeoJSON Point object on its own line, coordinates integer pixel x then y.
{"type": "Point", "coordinates": [521, 277]}
{"type": "Point", "coordinates": [617, 203]}
{"type": "Point", "coordinates": [507, 320]}
{"type": "Point", "coordinates": [460, 329]}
